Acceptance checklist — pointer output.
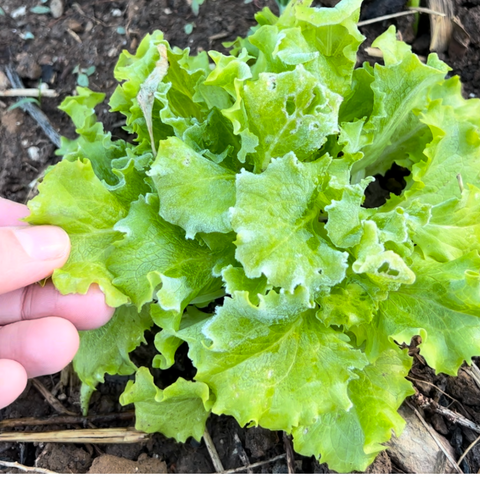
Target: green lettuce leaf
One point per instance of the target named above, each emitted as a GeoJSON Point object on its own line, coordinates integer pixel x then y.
{"type": "Point", "coordinates": [345, 216]}
{"type": "Point", "coordinates": [399, 87]}
{"type": "Point", "coordinates": [324, 40]}
{"type": "Point", "coordinates": [275, 218]}
{"type": "Point", "coordinates": [301, 113]}
{"type": "Point", "coordinates": [167, 341]}
{"type": "Point", "coordinates": [353, 302]}
{"type": "Point", "coordinates": [358, 103]}
{"type": "Point", "coordinates": [228, 70]}
{"type": "Point", "coordinates": [195, 193]}
{"type": "Point", "coordinates": [350, 440]}
{"type": "Point", "coordinates": [452, 153]}
{"type": "Point", "coordinates": [442, 306]}
{"type": "Point", "coordinates": [384, 267]}
{"type": "Point", "coordinates": [179, 411]}
{"type": "Point", "coordinates": [93, 142]}
{"type": "Point", "coordinates": [272, 365]}
{"type": "Point", "coordinates": [106, 349]}
{"type": "Point", "coordinates": [334, 34]}
{"type": "Point", "coordinates": [72, 197]}
{"type": "Point", "coordinates": [236, 281]}
{"type": "Point", "coordinates": [453, 228]}
{"type": "Point", "coordinates": [214, 139]}
{"type": "Point", "coordinates": [183, 102]}
{"type": "Point", "coordinates": [155, 252]}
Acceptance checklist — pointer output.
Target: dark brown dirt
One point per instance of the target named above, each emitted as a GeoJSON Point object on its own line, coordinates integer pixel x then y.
{"type": "Point", "coordinates": [89, 33]}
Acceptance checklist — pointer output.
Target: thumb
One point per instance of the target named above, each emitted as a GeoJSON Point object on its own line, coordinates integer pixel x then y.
{"type": "Point", "coordinates": [29, 254]}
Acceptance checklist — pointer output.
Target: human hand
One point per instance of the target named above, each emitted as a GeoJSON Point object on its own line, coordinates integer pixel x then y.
{"type": "Point", "coordinates": [38, 326]}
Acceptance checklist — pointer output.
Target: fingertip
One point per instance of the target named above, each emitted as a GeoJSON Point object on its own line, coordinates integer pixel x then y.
{"type": "Point", "coordinates": [44, 346]}
{"type": "Point", "coordinates": [86, 311]}
{"type": "Point", "coordinates": [96, 312]}
{"type": "Point", "coordinates": [11, 213]}
{"type": "Point", "coordinates": [49, 346]}
{"type": "Point", "coordinates": [13, 380]}
{"type": "Point", "coordinates": [56, 335]}
{"type": "Point", "coordinates": [29, 254]}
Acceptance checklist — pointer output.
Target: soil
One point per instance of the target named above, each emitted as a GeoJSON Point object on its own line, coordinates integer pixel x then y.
{"type": "Point", "coordinates": [92, 33]}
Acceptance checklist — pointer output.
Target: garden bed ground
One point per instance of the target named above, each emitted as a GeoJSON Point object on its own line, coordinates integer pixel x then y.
{"type": "Point", "coordinates": [92, 33]}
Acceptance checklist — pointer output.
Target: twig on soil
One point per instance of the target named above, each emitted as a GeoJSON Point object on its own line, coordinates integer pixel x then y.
{"type": "Point", "coordinates": [411, 11]}
{"type": "Point", "coordinates": [289, 450]}
{"type": "Point", "coordinates": [65, 420]}
{"type": "Point", "coordinates": [25, 468]}
{"type": "Point", "coordinates": [434, 436]}
{"type": "Point", "coordinates": [218, 36]}
{"type": "Point", "coordinates": [33, 110]}
{"type": "Point", "coordinates": [52, 401]}
{"type": "Point", "coordinates": [453, 400]}
{"type": "Point", "coordinates": [68, 382]}
{"type": "Point", "coordinates": [28, 92]}
{"type": "Point", "coordinates": [474, 372]}
{"type": "Point", "coordinates": [257, 464]}
{"type": "Point", "coordinates": [441, 28]}
{"type": "Point", "coordinates": [241, 452]}
{"type": "Point", "coordinates": [430, 11]}
{"type": "Point", "coordinates": [454, 417]}
{"type": "Point", "coordinates": [74, 36]}
{"type": "Point", "coordinates": [217, 463]}
{"type": "Point", "coordinates": [460, 460]}
{"type": "Point", "coordinates": [413, 379]}
{"type": "Point", "coordinates": [77, 7]}
{"type": "Point", "coordinates": [94, 435]}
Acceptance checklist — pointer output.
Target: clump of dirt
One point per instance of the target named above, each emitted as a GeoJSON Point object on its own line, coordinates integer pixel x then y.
{"type": "Point", "coordinates": [111, 465]}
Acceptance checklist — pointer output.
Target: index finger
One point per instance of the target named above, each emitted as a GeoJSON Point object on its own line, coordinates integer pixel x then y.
{"type": "Point", "coordinates": [84, 311]}
{"type": "Point", "coordinates": [11, 213]}
{"type": "Point", "coordinates": [29, 254]}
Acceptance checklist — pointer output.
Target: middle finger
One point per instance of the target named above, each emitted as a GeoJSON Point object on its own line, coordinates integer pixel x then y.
{"type": "Point", "coordinates": [84, 311]}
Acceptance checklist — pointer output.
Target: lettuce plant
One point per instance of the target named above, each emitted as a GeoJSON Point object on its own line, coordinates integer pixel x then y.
{"type": "Point", "coordinates": [234, 222]}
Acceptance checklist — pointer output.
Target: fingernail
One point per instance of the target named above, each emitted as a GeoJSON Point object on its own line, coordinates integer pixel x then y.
{"type": "Point", "coordinates": [43, 242]}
